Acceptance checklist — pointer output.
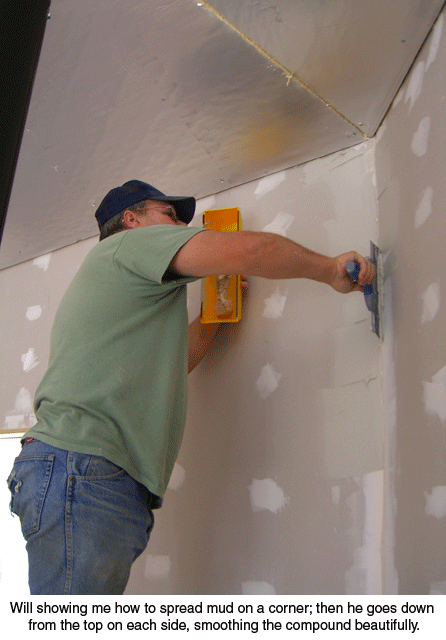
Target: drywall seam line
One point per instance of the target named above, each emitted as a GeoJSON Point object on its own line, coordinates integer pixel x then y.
{"type": "Point", "coordinates": [290, 75]}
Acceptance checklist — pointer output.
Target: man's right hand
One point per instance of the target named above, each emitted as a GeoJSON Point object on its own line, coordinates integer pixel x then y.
{"type": "Point", "coordinates": [341, 280]}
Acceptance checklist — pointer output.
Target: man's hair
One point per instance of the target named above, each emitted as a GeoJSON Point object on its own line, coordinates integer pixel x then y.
{"type": "Point", "coordinates": [116, 224]}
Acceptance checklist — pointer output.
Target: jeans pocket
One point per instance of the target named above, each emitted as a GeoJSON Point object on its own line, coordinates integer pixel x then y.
{"type": "Point", "coordinates": [99, 468]}
{"type": "Point", "coordinates": [28, 483]}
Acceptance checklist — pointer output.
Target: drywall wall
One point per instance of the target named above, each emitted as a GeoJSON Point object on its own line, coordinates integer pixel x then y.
{"type": "Point", "coordinates": [411, 160]}
{"type": "Point", "coordinates": [278, 487]}
{"type": "Point", "coordinates": [265, 498]}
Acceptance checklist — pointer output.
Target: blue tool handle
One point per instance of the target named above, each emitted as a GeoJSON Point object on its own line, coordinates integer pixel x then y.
{"type": "Point", "coordinates": [353, 270]}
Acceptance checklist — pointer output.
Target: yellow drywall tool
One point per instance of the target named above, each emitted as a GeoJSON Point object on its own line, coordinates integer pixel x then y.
{"type": "Point", "coordinates": [221, 296]}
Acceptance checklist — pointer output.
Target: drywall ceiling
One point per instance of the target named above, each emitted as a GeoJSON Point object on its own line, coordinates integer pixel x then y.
{"type": "Point", "coordinates": [197, 97]}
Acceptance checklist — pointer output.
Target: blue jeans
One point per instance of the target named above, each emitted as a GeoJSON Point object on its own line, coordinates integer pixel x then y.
{"type": "Point", "coordinates": [84, 520]}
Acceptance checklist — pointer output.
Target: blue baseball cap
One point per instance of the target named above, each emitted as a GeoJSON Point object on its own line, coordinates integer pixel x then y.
{"type": "Point", "coordinates": [120, 198]}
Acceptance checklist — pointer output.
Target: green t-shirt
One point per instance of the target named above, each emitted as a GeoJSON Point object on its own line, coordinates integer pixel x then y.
{"type": "Point", "coordinates": [116, 384]}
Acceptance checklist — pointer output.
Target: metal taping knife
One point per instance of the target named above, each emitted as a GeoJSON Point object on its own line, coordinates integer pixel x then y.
{"type": "Point", "coordinates": [371, 291]}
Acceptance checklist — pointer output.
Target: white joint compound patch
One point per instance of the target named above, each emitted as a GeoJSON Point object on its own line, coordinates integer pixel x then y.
{"type": "Point", "coordinates": [23, 415]}
{"type": "Point", "coordinates": [29, 360]}
{"type": "Point", "coordinates": [20, 421]}
{"type": "Point", "coordinates": [415, 84]}
{"type": "Point", "coordinates": [436, 502]}
{"type": "Point", "coordinates": [398, 98]}
{"type": "Point", "coordinates": [42, 261]}
{"type": "Point", "coordinates": [15, 422]}
{"type": "Point", "coordinates": [336, 494]}
{"type": "Point", "coordinates": [437, 588]}
{"type": "Point", "coordinates": [23, 402]}
{"type": "Point", "coordinates": [435, 42]}
{"type": "Point", "coordinates": [431, 302]}
{"type": "Point", "coordinates": [268, 381]}
{"type": "Point", "coordinates": [177, 478]}
{"type": "Point", "coordinates": [157, 567]}
{"type": "Point", "coordinates": [424, 209]}
{"type": "Point", "coordinates": [274, 305]}
{"type": "Point", "coordinates": [266, 495]}
{"type": "Point", "coordinates": [366, 512]}
{"type": "Point", "coordinates": [381, 131]}
{"type": "Point", "coordinates": [421, 137]}
{"type": "Point", "coordinates": [269, 183]}
{"type": "Point", "coordinates": [435, 395]}
{"type": "Point", "coordinates": [257, 588]}
{"type": "Point", "coordinates": [33, 313]}
{"type": "Point", "coordinates": [280, 224]}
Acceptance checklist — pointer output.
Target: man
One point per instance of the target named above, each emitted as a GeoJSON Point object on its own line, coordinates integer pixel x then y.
{"type": "Point", "coordinates": [111, 407]}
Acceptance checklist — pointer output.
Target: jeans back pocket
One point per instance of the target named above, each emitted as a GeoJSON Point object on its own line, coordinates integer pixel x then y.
{"type": "Point", "coordinates": [28, 483]}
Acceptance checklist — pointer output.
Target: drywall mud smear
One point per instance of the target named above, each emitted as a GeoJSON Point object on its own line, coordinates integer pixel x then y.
{"type": "Point", "coordinates": [42, 262]}
{"type": "Point", "coordinates": [23, 401]}
{"type": "Point", "coordinates": [280, 224]}
{"type": "Point", "coordinates": [266, 495]}
{"type": "Point", "coordinates": [257, 588]}
{"type": "Point", "coordinates": [435, 395]}
{"type": "Point", "coordinates": [34, 312]}
{"type": "Point", "coordinates": [268, 381]}
{"type": "Point", "coordinates": [421, 137]}
{"type": "Point", "coordinates": [436, 502]}
{"type": "Point", "coordinates": [269, 183]}
{"type": "Point", "coordinates": [366, 506]}
{"type": "Point", "coordinates": [431, 302]}
{"type": "Point", "coordinates": [415, 85]}
{"type": "Point", "coordinates": [424, 208]}
{"type": "Point", "coordinates": [177, 478]}
{"type": "Point", "coordinates": [435, 41]}
{"type": "Point", "coordinates": [274, 305]}
{"type": "Point", "coordinates": [29, 360]}
{"type": "Point", "coordinates": [157, 567]}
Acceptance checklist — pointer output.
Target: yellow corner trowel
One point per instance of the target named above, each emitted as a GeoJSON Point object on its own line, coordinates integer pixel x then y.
{"type": "Point", "coordinates": [221, 296]}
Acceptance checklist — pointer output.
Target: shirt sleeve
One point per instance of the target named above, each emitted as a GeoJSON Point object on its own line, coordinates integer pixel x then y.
{"type": "Point", "coordinates": [148, 251]}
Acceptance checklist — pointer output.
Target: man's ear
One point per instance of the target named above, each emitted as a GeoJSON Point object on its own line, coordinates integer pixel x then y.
{"type": "Point", "coordinates": [130, 219]}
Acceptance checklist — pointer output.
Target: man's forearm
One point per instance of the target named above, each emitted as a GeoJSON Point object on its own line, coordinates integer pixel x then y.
{"type": "Point", "coordinates": [266, 255]}
{"type": "Point", "coordinates": [200, 339]}
{"type": "Point", "coordinates": [281, 258]}
{"type": "Point", "coordinates": [252, 253]}
{"type": "Point", "coordinates": [273, 256]}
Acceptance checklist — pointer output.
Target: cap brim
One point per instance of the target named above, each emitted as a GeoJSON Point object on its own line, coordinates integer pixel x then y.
{"type": "Point", "coordinates": [184, 206]}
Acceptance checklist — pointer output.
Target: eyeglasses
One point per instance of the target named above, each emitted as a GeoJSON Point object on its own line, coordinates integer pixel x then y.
{"type": "Point", "coordinates": [168, 209]}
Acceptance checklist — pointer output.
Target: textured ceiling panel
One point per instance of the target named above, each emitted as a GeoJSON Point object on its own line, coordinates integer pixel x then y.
{"type": "Point", "coordinates": [354, 54]}
{"type": "Point", "coordinates": [194, 102]}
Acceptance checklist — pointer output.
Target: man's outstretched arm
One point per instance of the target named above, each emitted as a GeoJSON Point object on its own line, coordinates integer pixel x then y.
{"type": "Point", "coordinates": [266, 255]}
